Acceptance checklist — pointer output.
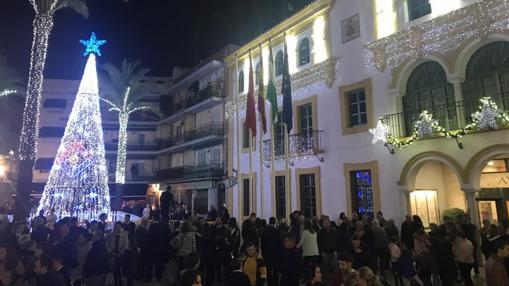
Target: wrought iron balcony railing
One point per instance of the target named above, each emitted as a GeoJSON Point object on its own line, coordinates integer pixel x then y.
{"type": "Point", "coordinates": [132, 147]}
{"type": "Point", "coordinates": [192, 98]}
{"type": "Point", "coordinates": [299, 146]}
{"type": "Point", "coordinates": [202, 131]}
{"type": "Point", "coordinates": [452, 116]}
{"type": "Point", "coordinates": [208, 170]}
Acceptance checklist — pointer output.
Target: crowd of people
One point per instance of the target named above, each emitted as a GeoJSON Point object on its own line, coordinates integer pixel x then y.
{"type": "Point", "coordinates": [361, 250]}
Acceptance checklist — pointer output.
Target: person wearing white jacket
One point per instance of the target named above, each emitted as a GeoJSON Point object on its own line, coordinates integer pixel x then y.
{"type": "Point", "coordinates": [309, 244]}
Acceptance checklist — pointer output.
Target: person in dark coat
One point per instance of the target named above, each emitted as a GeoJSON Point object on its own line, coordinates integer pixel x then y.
{"type": "Point", "coordinates": [44, 273]}
{"type": "Point", "coordinates": [250, 232]}
{"type": "Point", "coordinates": [129, 226]}
{"type": "Point", "coordinates": [62, 273]}
{"type": "Point", "coordinates": [360, 252]}
{"type": "Point", "coordinates": [159, 239]}
{"type": "Point", "coordinates": [407, 232]}
{"type": "Point", "coordinates": [96, 265]}
{"type": "Point", "coordinates": [167, 204]}
{"type": "Point", "coordinates": [237, 277]}
{"type": "Point", "coordinates": [146, 250]}
{"type": "Point", "coordinates": [130, 262]}
{"type": "Point", "coordinates": [290, 262]}
{"type": "Point", "coordinates": [271, 249]}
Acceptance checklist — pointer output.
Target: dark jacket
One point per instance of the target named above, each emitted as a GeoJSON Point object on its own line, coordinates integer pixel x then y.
{"type": "Point", "coordinates": [130, 228]}
{"type": "Point", "coordinates": [290, 267]}
{"type": "Point", "coordinates": [271, 245]}
{"type": "Point", "coordinates": [327, 240]}
{"type": "Point", "coordinates": [237, 278]}
{"type": "Point", "coordinates": [249, 232]}
{"type": "Point", "coordinates": [48, 279]}
{"type": "Point", "coordinates": [97, 259]}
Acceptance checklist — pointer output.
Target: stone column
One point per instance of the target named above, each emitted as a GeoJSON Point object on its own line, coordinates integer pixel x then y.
{"type": "Point", "coordinates": [405, 202]}
{"type": "Point", "coordinates": [473, 212]}
{"type": "Point", "coordinates": [458, 96]}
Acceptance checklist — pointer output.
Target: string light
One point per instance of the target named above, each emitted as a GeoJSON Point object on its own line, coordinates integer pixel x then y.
{"type": "Point", "coordinates": [125, 107]}
{"type": "Point", "coordinates": [440, 34]}
{"type": "Point", "coordinates": [380, 132]}
{"type": "Point", "coordinates": [78, 181]}
{"type": "Point", "coordinates": [42, 26]}
{"type": "Point", "coordinates": [488, 116]}
{"type": "Point", "coordinates": [6, 92]}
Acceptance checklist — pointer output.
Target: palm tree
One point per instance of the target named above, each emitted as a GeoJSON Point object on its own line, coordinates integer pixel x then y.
{"type": "Point", "coordinates": [10, 81]}
{"type": "Point", "coordinates": [125, 99]}
{"type": "Point", "coordinates": [43, 24]}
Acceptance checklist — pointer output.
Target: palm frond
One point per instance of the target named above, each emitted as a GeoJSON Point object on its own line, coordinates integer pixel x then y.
{"type": "Point", "coordinates": [78, 6]}
{"type": "Point", "coordinates": [125, 83]}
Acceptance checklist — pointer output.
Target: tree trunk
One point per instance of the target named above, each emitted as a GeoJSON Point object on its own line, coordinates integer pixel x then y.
{"type": "Point", "coordinates": [30, 128]}
{"type": "Point", "coordinates": [121, 160]}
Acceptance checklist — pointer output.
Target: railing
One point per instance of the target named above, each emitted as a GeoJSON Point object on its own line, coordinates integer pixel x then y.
{"type": "Point", "coordinates": [192, 98]}
{"type": "Point", "coordinates": [452, 116]}
{"type": "Point", "coordinates": [130, 178]}
{"type": "Point", "coordinates": [299, 145]}
{"type": "Point", "coordinates": [209, 129]}
{"type": "Point", "coordinates": [208, 170]}
{"type": "Point", "coordinates": [132, 147]}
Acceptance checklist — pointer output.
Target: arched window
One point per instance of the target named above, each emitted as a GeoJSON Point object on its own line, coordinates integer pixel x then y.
{"type": "Point", "coordinates": [258, 73]}
{"type": "Point", "coordinates": [279, 63]}
{"type": "Point", "coordinates": [304, 52]}
{"type": "Point", "coordinates": [487, 74]}
{"type": "Point", "coordinates": [428, 89]}
{"type": "Point", "coordinates": [241, 81]}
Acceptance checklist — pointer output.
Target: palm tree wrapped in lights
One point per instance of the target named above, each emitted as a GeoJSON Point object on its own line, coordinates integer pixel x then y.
{"type": "Point", "coordinates": [43, 24]}
{"type": "Point", "coordinates": [125, 99]}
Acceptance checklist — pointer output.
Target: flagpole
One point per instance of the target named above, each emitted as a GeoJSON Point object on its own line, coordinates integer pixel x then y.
{"type": "Point", "coordinates": [260, 145]}
{"type": "Point", "coordinates": [239, 142]}
{"type": "Point", "coordinates": [287, 174]}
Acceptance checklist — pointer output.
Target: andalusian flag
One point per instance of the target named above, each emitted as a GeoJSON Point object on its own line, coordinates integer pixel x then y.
{"type": "Point", "coordinates": [286, 90]}
{"type": "Point", "coordinates": [271, 88]}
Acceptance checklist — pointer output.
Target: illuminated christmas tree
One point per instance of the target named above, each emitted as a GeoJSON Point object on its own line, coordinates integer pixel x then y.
{"type": "Point", "coordinates": [78, 182]}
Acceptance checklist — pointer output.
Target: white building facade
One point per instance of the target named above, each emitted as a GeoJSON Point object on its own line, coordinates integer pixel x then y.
{"type": "Point", "coordinates": [352, 62]}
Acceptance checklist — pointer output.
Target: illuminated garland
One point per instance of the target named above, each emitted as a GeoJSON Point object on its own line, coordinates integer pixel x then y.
{"type": "Point", "coordinates": [78, 181]}
{"type": "Point", "coordinates": [487, 117]}
{"type": "Point", "coordinates": [42, 26]}
{"type": "Point", "coordinates": [125, 104]}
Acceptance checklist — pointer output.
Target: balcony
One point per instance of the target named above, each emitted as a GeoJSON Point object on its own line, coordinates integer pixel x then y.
{"type": "Point", "coordinates": [452, 116]}
{"type": "Point", "coordinates": [200, 134]}
{"type": "Point", "coordinates": [208, 170]}
{"type": "Point", "coordinates": [195, 101]}
{"type": "Point", "coordinates": [300, 146]}
{"type": "Point", "coordinates": [133, 147]}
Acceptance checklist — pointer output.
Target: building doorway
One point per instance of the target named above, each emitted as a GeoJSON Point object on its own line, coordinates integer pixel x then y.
{"type": "Point", "coordinates": [424, 203]}
{"type": "Point", "coordinates": [493, 199]}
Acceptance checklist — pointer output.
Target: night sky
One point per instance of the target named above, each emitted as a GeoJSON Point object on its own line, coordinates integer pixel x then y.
{"type": "Point", "coordinates": [160, 33]}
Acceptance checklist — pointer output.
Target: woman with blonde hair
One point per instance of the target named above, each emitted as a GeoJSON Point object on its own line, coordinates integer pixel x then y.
{"type": "Point", "coordinates": [364, 276]}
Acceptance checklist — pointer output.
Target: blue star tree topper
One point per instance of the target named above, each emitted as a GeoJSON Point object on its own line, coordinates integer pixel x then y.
{"type": "Point", "coordinates": [93, 45]}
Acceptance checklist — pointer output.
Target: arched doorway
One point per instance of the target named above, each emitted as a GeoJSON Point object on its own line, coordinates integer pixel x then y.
{"type": "Point", "coordinates": [493, 198]}
{"type": "Point", "coordinates": [434, 187]}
